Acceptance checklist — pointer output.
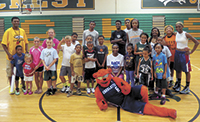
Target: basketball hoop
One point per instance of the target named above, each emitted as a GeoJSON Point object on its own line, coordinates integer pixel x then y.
{"type": "Point", "coordinates": [27, 11]}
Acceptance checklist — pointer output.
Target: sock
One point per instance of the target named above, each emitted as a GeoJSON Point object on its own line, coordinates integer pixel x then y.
{"type": "Point", "coordinates": [163, 95]}
{"type": "Point", "coordinates": [156, 92]}
{"type": "Point", "coordinates": [69, 84]}
{"type": "Point", "coordinates": [65, 84]}
{"type": "Point", "coordinates": [187, 84]}
{"type": "Point", "coordinates": [172, 78]}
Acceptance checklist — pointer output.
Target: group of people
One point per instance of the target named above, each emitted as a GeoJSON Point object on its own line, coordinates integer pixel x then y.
{"type": "Point", "coordinates": [142, 59]}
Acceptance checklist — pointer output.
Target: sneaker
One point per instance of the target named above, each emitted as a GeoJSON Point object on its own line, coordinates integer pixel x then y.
{"type": "Point", "coordinates": [70, 93]}
{"type": "Point", "coordinates": [163, 100]}
{"type": "Point", "coordinates": [24, 89]}
{"type": "Point", "coordinates": [171, 83]}
{"type": "Point", "coordinates": [68, 89]}
{"type": "Point", "coordinates": [17, 91]}
{"type": "Point", "coordinates": [49, 91]}
{"type": "Point", "coordinates": [186, 90]}
{"type": "Point", "coordinates": [53, 90]}
{"type": "Point", "coordinates": [30, 93]}
{"type": "Point", "coordinates": [11, 93]}
{"type": "Point", "coordinates": [169, 93]}
{"type": "Point", "coordinates": [154, 96]}
{"type": "Point", "coordinates": [76, 84]}
{"type": "Point", "coordinates": [36, 92]}
{"type": "Point", "coordinates": [63, 89]}
{"type": "Point", "coordinates": [88, 90]}
{"type": "Point", "coordinates": [92, 89]}
{"type": "Point", "coordinates": [78, 91]}
{"type": "Point", "coordinates": [25, 93]}
{"type": "Point", "coordinates": [177, 87]}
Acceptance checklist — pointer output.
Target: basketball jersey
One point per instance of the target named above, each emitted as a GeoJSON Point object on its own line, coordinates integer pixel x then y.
{"type": "Point", "coordinates": [145, 66]}
{"type": "Point", "coordinates": [140, 48]}
{"type": "Point", "coordinates": [181, 40]}
{"type": "Point", "coordinates": [171, 43]}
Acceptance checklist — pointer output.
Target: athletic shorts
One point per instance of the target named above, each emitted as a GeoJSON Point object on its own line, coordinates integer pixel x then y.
{"type": "Point", "coordinates": [29, 78]}
{"type": "Point", "coordinates": [40, 69]}
{"type": "Point", "coordinates": [50, 75]}
{"type": "Point", "coordinates": [65, 71]}
{"type": "Point", "coordinates": [8, 68]}
{"type": "Point", "coordinates": [17, 78]}
{"type": "Point", "coordinates": [171, 65]}
{"type": "Point", "coordinates": [182, 62]}
{"type": "Point", "coordinates": [78, 78]}
{"type": "Point", "coordinates": [89, 73]}
{"type": "Point", "coordinates": [161, 83]}
{"type": "Point", "coordinates": [144, 79]}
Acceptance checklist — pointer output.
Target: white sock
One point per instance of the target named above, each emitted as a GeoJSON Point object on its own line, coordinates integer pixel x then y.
{"type": "Point", "coordinates": [156, 92]}
{"type": "Point", "coordinates": [172, 78]}
{"type": "Point", "coordinates": [163, 95]}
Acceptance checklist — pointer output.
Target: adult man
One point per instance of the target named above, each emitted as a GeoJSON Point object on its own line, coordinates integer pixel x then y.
{"type": "Point", "coordinates": [119, 37]}
{"type": "Point", "coordinates": [128, 25]}
{"type": "Point", "coordinates": [12, 37]}
{"type": "Point", "coordinates": [91, 31]}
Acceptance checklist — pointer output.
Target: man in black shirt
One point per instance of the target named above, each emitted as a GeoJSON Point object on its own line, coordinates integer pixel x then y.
{"type": "Point", "coordinates": [119, 37]}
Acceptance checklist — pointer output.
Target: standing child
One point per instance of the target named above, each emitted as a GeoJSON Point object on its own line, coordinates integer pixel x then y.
{"type": "Point", "coordinates": [87, 39]}
{"type": "Point", "coordinates": [115, 61]}
{"type": "Point", "coordinates": [90, 65]}
{"type": "Point", "coordinates": [74, 37]}
{"type": "Point", "coordinates": [68, 50]}
{"type": "Point", "coordinates": [129, 65]}
{"type": "Point", "coordinates": [49, 56]}
{"type": "Point", "coordinates": [77, 69]}
{"type": "Point", "coordinates": [102, 52]}
{"type": "Point", "coordinates": [144, 69]}
{"type": "Point", "coordinates": [18, 60]}
{"type": "Point", "coordinates": [160, 71]}
{"type": "Point", "coordinates": [35, 51]}
{"type": "Point", "coordinates": [29, 69]}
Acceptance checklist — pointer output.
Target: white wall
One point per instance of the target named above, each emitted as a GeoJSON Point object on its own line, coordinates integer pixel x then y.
{"type": "Point", "coordinates": [108, 7]}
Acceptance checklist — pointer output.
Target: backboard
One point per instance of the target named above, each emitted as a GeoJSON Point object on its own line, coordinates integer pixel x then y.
{"type": "Point", "coordinates": [29, 6]}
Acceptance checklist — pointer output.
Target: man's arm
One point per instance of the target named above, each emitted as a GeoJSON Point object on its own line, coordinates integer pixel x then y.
{"type": "Point", "coordinates": [26, 47]}
{"type": "Point", "coordinates": [7, 52]}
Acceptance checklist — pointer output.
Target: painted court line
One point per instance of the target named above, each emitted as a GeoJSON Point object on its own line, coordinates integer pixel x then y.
{"type": "Point", "coordinates": [4, 88]}
{"type": "Point", "coordinates": [195, 67]}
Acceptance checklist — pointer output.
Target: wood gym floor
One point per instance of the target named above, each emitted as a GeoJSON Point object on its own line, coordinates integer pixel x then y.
{"type": "Point", "coordinates": [42, 108]}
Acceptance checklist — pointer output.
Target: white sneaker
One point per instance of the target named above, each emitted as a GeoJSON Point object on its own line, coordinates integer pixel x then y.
{"type": "Point", "coordinates": [68, 89]}
{"type": "Point", "coordinates": [92, 89]}
{"type": "Point", "coordinates": [63, 89]}
{"type": "Point", "coordinates": [70, 93]}
{"type": "Point", "coordinates": [88, 90]}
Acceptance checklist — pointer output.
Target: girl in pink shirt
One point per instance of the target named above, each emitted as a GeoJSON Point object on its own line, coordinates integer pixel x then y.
{"type": "Point", "coordinates": [35, 51]}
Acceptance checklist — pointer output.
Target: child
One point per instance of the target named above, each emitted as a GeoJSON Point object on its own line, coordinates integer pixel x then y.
{"type": "Point", "coordinates": [51, 33]}
{"type": "Point", "coordinates": [102, 52]}
{"type": "Point", "coordinates": [90, 65]}
{"type": "Point", "coordinates": [87, 39]}
{"type": "Point", "coordinates": [160, 71]}
{"type": "Point", "coordinates": [77, 69]}
{"type": "Point", "coordinates": [35, 51]}
{"type": "Point", "coordinates": [18, 60]}
{"type": "Point", "coordinates": [74, 37]}
{"type": "Point", "coordinates": [49, 56]}
{"type": "Point", "coordinates": [170, 40]}
{"type": "Point", "coordinates": [129, 65]}
{"type": "Point", "coordinates": [29, 69]}
{"type": "Point", "coordinates": [168, 54]}
{"type": "Point", "coordinates": [144, 69]}
{"type": "Point", "coordinates": [68, 50]}
{"type": "Point", "coordinates": [133, 35]}
{"type": "Point", "coordinates": [115, 61]}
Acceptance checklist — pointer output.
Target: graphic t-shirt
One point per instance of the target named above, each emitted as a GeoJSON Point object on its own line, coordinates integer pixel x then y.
{"type": "Point", "coordinates": [145, 66]}
{"type": "Point", "coordinates": [36, 52]}
{"type": "Point", "coordinates": [134, 36]}
{"type": "Point", "coordinates": [101, 52]}
{"type": "Point", "coordinates": [119, 35]}
{"type": "Point", "coordinates": [90, 54]}
{"type": "Point", "coordinates": [115, 62]}
{"type": "Point", "coordinates": [159, 65]}
{"type": "Point", "coordinates": [12, 38]}
{"type": "Point", "coordinates": [18, 62]}
{"type": "Point", "coordinates": [94, 35]}
{"type": "Point", "coordinates": [67, 52]}
{"type": "Point", "coordinates": [77, 61]}
{"type": "Point", "coordinates": [48, 55]}
{"type": "Point", "coordinates": [28, 68]}
{"type": "Point", "coordinates": [171, 43]}
{"type": "Point", "coordinates": [129, 62]}
{"type": "Point", "coordinates": [54, 45]}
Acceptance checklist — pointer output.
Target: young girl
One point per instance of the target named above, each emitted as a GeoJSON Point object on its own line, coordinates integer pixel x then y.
{"type": "Point", "coordinates": [28, 68]}
{"type": "Point", "coordinates": [160, 71]}
{"type": "Point", "coordinates": [171, 44]}
{"type": "Point", "coordinates": [133, 35]}
{"type": "Point", "coordinates": [144, 69]}
{"type": "Point", "coordinates": [129, 65]}
{"type": "Point", "coordinates": [182, 59]}
{"type": "Point", "coordinates": [35, 51]}
{"type": "Point", "coordinates": [115, 61]}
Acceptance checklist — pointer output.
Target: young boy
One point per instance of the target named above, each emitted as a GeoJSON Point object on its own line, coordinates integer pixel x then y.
{"type": "Point", "coordinates": [49, 56]}
{"type": "Point", "coordinates": [18, 60]}
{"type": "Point", "coordinates": [74, 37]}
{"type": "Point", "coordinates": [90, 65]}
{"type": "Point", "coordinates": [102, 52]}
{"type": "Point", "coordinates": [67, 50]}
{"type": "Point", "coordinates": [35, 51]}
{"type": "Point", "coordinates": [77, 69]}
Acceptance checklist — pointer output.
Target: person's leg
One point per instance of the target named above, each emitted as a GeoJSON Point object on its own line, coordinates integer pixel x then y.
{"type": "Point", "coordinates": [23, 84]}
{"type": "Point", "coordinates": [40, 82]}
{"type": "Point", "coordinates": [186, 89]}
{"type": "Point", "coordinates": [131, 74]}
{"type": "Point", "coordinates": [37, 82]}
{"type": "Point", "coordinates": [30, 83]}
{"type": "Point", "coordinates": [26, 88]}
{"type": "Point", "coordinates": [127, 77]}
{"type": "Point", "coordinates": [177, 86]}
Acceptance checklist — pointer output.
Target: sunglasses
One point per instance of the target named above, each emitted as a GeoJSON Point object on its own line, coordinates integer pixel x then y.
{"type": "Point", "coordinates": [100, 78]}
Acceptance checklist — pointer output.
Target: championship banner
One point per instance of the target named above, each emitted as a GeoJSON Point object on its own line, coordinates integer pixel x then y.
{"type": "Point", "coordinates": [14, 5]}
{"type": "Point", "coordinates": [147, 4]}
